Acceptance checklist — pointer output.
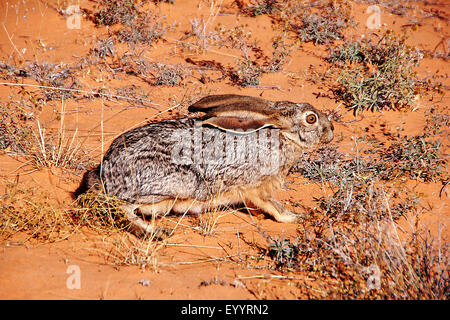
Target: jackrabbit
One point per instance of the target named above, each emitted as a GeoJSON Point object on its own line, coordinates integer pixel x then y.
{"type": "Point", "coordinates": [240, 151]}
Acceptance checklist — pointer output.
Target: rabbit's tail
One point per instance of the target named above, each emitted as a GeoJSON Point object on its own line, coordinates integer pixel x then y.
{"type": "Point", "coordinates": [90, 181]}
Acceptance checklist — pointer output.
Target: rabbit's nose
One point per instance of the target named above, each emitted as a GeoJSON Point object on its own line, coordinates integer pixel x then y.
{"type": "Point", "coordinates": [329, 117]}
{"type": "Point", "coordinates": [328, 135]}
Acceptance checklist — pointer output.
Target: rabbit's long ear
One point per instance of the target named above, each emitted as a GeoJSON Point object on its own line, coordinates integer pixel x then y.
{"type": "Point", "coordinates": [233, 103]}
{"type": "Point", "coordinates": [239, 125]}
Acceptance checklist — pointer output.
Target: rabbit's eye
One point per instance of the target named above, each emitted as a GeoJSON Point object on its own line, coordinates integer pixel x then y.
{"type": "Point", "coordinates": [311, 118]}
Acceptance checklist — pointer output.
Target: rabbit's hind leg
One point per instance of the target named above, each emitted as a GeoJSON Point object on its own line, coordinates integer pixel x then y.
{"type": "Point", "coordinates": [189, 205]}
{"type": "Point", "coordinates": [177, 206]}
{"type": "Point", "coordinates": [154, 210]}
{"type": "Point", "coordinates": [140, 227]}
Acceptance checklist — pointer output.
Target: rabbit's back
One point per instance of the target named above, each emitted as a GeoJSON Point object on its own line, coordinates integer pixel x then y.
{"type": "Point", "coordinates": [137, 166]}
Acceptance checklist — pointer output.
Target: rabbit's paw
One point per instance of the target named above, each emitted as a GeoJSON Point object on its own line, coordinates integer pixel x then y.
{"type": "Point", "coordinates": [288, 217]}
{"type": "Point", "coordinates": [157, 233]}
{"type": "Point", "coordinates": [150, 232]}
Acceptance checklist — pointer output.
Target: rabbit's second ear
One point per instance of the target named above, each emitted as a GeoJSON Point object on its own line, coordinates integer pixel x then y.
{"type": "Point", "coordinates": [229, 102]}
{"type": "Point", "coordinates": [238, 124]}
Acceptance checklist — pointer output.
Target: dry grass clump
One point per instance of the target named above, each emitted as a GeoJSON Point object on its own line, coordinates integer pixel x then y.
{"type": "Point", "coordinates": [437, 123]}
{"type": "Point", "coordinates": [138, 26]}
{"type": "Point", "coordinates": [280, 56]}
{"type": "Point", "coordinates": [247, 74]}
{"type": "Point", "coordinates": [102, 213]}
{"type": "Point", "coordinates": [311, 21]}
{"type": "Point", "coordinates": [145, 30]}
{"type": "Point", "coordinates": [15, 118]}
{"type": "Point", "coordinates": [31, 211]}
{"type": "Point", "coordinates": [375, 259]}
{"type": "Point", "coordinates": [248, 68]}
{"type": "Point", "coordinates": [104, 48]}
{"type": "Point", "coordinates": [134, 95]}
{"type": "Point", "coordinates": [376, 75]}
{"type": "Point", "coordinates": [410, 157]}
{"type": "Point", "coordinates": [251, 63]}
{"type": "Point", "coordinates": [57, 76]}
{"type": "Point", "coordinates": [259, 7]}
{"type": "Point", "coordinates": [48, 76]}
{"type": "Point", "coordinates": [56, 150]}
{"type": "Point", "coordinates": [170, 75]}
{"type": "Point", "coordinates": [206, 223]}
{"type": "Point", "coordinates": [99, 211]}
{"type": "Point", "coordinates": [326, 25]}
{"type": "Point", "coordinates": [113, 11]}
{"type": "Point", "coordinates": [127, 250]}
{"type": "Point", "coordinates": [354, 241]}
{"type": "Point", "coordinates": [153, 73]}
{"type": "Point", "coordinates": [25, 136]}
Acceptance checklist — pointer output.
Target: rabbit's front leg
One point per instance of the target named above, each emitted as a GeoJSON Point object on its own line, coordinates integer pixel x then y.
{"type": "Point", "coordinates": [285, 215]}
{"type": "Point", "coordinates": [274, 208]}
